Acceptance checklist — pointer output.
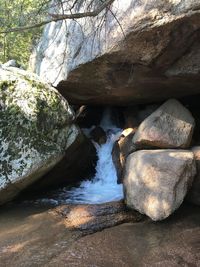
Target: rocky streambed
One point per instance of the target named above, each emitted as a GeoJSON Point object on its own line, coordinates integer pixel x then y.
{"type": "Point", "coordinates": [35, 236]}
{"type": "Point", "coordinates": [125, 178]}
{"type": "Point", "coordinates": [151, 159]}
{"type": "Point", "coordinates": [92, 218]}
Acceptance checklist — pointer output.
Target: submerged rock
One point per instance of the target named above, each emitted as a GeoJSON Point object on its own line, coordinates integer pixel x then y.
{"type": "Point", "coordinates": [139, 52]}
{"type": "Point", "coordinates": [156, 181]}
{"type": "Point", "coordinates": [170, 126]}
{"type": "Point", "coordinates": [31, 236]}
{"type": "Point", "coordinates": [98, 135]}
{"type": "Point", "coordinates": [35, 130]}
{"type": "Point", "coordinates": [93, 218]}
{"type": "Point", "coordinates": [172, 243]}
{"type": "Point", "coordinates": [194, 193]}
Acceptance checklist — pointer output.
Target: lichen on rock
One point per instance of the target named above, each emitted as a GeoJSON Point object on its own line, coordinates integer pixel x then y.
{"type": "Point", "coordinates": [35, 129]}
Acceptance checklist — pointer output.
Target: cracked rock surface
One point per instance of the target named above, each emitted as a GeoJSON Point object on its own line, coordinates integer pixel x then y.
{"type": "Point", "coordinates": [150, 52]}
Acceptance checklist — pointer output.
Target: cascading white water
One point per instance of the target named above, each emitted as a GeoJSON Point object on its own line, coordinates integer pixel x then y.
{"type": "Point", "coordinates": [103, 187]}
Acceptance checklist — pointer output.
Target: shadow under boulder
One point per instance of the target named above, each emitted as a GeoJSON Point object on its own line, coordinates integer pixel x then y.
{"type": "Point", "coordinates": [78, 163]}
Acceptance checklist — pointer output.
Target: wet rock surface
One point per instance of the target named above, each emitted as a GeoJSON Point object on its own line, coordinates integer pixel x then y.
{"type": "Point", "coordinates": [92, 218]}
{"type": "Point", "coordinates": [31, 237]}
{"type": "Point", "coordinates": [172, 243]}
{"type": "Point", "coordinates": [98, 135]}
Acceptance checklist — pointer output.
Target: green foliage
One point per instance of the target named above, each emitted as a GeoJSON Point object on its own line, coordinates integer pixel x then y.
{"type": "Point", "coordinates": [18, 45]}
{"type": "Point", "coordinates": [21, 23]}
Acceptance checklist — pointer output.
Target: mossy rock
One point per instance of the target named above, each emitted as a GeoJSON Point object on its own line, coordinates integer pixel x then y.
{"type": "Point", "coordinates": [35, 130]}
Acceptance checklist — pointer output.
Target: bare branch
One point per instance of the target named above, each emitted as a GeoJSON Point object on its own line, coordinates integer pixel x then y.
{"type": "Point", "coordinates": [84, 14]}
{"type": "Point", "coordinates": [59, 17]}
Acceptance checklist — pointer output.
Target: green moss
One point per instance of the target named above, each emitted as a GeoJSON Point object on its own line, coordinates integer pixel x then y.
{"type": "Point", "coordinates": [33, 117]}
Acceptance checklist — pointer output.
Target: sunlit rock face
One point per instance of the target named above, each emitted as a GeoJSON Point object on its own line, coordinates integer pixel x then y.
{"type": "Point", "coordinates": [156, 181]}
{"type": "Point", "coordinates": [121, 149]}
{"type": "Point", "coordinates": [139, 52]}
{"type": "Point", "coordinates": [194, 193]}
{"type": "Point", "coordinates": [35, 130]}
{"type": "Point", "coordinates": [170, 126]}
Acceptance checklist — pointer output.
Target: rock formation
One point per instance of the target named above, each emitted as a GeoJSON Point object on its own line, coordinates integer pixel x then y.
{"type": "Point", "coordinates": [194, 193]}
{"type": "Point", "coordinates": [78, 163]}
{"type": "Point", "coordinates": [140, 51]}
{"type": "Point", "coordinates": [121, 149]}
{"type": "Point", "coordinates": [36, 130]}
{"type": "Point", "coordinates": [89, 219]}
{"type": "Point", "coordinates": [134, 52]}
{"type": "Point", "coordinates": [170, 126]}
{"type": "Point", "coordinates": [156, 181]}
{"type": "Point", "coordinates": [98, 135]}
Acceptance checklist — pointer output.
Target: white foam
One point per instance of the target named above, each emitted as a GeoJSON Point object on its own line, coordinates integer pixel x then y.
{"type": "Point", "coordinates": [103, 187]}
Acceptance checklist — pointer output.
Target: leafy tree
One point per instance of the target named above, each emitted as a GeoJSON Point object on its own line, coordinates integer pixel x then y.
{"type": "Point", "coordinates": [17, 45]}
{"type": "Point", "coordinates": [21, 22]}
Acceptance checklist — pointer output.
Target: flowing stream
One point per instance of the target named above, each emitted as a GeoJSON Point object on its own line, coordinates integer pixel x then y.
{"type": "Point", "coordinates": [103, 186]}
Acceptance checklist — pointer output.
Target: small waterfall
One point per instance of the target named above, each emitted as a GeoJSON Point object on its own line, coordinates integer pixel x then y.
{"type": "Point", "coordinates": [103, 186]}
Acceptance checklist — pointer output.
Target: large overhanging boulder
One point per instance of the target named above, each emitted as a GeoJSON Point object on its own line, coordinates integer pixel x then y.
{"type": "Point", "coordinates": [36, 130]}
{"type": "Point", "coordinates": [141, 51]}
